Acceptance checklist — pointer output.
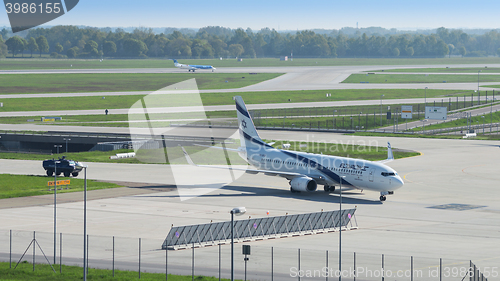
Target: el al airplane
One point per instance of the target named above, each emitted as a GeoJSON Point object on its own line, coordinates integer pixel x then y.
{"type": "Point", "coordinates": [192, 67]}
{"type": "Point", "coordinates": [306, 171]}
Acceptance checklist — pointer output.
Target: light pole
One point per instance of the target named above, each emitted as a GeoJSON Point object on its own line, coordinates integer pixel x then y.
{"type": "Point", "coordinates": [85, 223]}
{"type": "Point", "coordinates": [425, 97]}
{"type": "Point", "coordinates": [57, 146]}
{"type": "Point", "coordinates": [381, 96]}
{"type": "Point", "coordinates": [340, 232]}
{"type": "Point", "coordinates": [236, 211]}
{"type": "Point", "coordinates": [66, 139]}
{"type": "Point", "coordinates": [478, 80]}
{"type": "Point", "coordinates": [55, 208]}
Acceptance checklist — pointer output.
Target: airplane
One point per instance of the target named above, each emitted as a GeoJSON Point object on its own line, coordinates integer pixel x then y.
{"type": "Point", "coordinates": [305, 171]}
{"type": "Point", "coordinates": [192, 68]}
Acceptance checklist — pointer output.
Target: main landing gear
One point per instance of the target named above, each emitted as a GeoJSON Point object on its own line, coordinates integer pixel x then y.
{"type": "Point", "coordinates": [382, 198]}
{"type": "Point", "coordinates": [328, 188]}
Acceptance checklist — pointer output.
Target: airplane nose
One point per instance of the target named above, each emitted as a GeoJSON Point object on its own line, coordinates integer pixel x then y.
{"type": "Point", "coordinates": [399, 181]}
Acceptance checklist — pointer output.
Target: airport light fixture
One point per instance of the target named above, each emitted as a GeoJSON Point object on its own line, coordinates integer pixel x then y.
{"type": "Point", "coordinates": [235, 211]}
{"type": "Point", "coordinates": [85, 262]}
{"type": "Point", "coordinates": [381, 96]}
{"type": "Point", "coordinates": [478, 80]}
{"type": "Point", "coordinates": [340, 228]}
{"type": "Point", "coordinates": [57, 146]}
{"type": "Point", "coordinates": [425, 97]}
{"type": "Point", "coordinates": [55, 208]}
{"type": "Point", "coordinates": [66, 139]}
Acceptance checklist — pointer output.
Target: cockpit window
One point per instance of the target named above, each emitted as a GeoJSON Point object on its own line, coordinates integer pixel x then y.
{"type": "Point", "coordinates": [388, 174]}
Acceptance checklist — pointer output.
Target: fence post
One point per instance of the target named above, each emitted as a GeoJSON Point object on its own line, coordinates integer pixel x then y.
{"type": "Point", "coordinates": [440, 269]}
{"type": "Point", "coordinates": [10, 249]}
{"type": "Point", "coordinates": [139, 258]}
{"type": "Point", "coordinates": [34, 247]}
{"type": "Point", "coordinates": [327, 264]}
{"type": "Point", "coordinates": [411, 268]}
{"type": "Point", "coordinates": [87, 258]}
{"type": "Point", "coordinates": [113, 256]}
{"type": "Point", "coordinates": [383, 268]}
{"type": "Point", "coordinates": [272, 263]}
{"type": "Point", "coordinates": [355, 271]}
{"type": "Point", "coordinates": [60, 252]}
{"type": "Point", "coordinates": [299, 264]}
{"type": "Point", "coordinates": [219, 260]}
{"type": "Point", "coordinates": [192, 265]}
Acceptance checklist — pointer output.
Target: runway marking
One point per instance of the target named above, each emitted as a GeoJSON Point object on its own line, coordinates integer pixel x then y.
{"type": "Point", "coordinates": [463, 170]}
{"type": "Point", "coordinates": [404, 177]}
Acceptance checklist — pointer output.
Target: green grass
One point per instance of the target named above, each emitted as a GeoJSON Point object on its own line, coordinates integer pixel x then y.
{"type": "Point", "coordinates": [172, 100]}
{"type": "Point", "coordinates": [118, 82]}
{"type": "Point", "coordinates": [43, 271]}
{"type": "Point", "coordinates": [419, 78]}
{"type": "Point", "coordinates": [35, 63]}
{"type": "Point", "coordinates": [12, 186]}
{"type": "Point", "coordinates": [444, 70]}
{"type": "Point", "coordinates": [491, 86]}
{"type": "Point", "coordinates": [91, 156]}
{"type": "Point", "coordinates": [477, 120]}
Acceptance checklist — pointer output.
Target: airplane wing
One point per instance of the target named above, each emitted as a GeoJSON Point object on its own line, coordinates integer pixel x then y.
{"type": "Point", "coordinates": [288, 175]}
{"type": "Point", "coordinates": [390, 156]}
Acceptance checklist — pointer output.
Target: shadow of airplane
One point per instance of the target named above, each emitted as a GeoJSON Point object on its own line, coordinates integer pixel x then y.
{"type": "Point", "coordinates": [318, 196]}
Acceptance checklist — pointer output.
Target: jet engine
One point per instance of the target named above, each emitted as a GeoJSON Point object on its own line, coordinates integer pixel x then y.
{"type": "Point", "coordinates": [303, 184]}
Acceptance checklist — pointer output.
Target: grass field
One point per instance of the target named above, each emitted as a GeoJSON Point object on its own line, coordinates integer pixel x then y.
{"type": "Point", "coordinates": [35, 63]}
{"type": "Point", "coordinates": [445, 70]}
{"type": "Point", "coordinates": [115, 102]}
{"type": "Point", "coordinates": [418, 78]}
{"type": "Point", "coordinates": [119, 82]}
{"type": "Point", "coordinates": [420, 136]}
{"type": "Point", "coordinates": [12, 186]}
{"type": "Point", "coordinates": [24, 272]}
{"type": "Point", "coordinates": [477, 120]}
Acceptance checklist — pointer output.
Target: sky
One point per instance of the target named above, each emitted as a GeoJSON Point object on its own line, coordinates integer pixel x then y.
{"type": "Point", "coordinates": [281, 15]}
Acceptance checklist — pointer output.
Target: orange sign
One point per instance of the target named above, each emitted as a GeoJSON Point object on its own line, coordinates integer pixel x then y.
{"type": "Point", "coordinates": [63, 182]}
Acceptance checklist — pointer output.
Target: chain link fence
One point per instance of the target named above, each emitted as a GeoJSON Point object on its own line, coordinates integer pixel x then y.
{"type": "Point", "coordinates": [264, 262]}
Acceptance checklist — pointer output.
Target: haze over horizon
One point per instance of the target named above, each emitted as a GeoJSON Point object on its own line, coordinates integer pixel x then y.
{"type": "Point", "coordinates": [281, 15]}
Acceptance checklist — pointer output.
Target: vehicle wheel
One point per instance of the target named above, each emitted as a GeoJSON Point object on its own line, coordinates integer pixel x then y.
{"type": "Point", "coordinates": [50, 173]}
{"type": "Point", "coordinates": [326, 188]}
{"type": "Point", "coordinates": [382, 198]}
{"type": "Point", "coordinates": [74, 174]}
{"type": "Point", "coordinates": [66, 174]}
{"type": "Point", "coordinates": [332, 188]}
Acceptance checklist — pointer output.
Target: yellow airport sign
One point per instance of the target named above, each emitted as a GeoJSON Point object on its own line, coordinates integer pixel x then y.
{"type": "Point", "coordinates": [49, 120]}
{"type": "Point", "coordinates": [63, 182]}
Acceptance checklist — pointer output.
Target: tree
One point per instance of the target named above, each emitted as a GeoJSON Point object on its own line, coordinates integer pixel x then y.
{"type": "Point", "coordinates": [451, 47]}
{"type": "Point", "coordinates": [395, 52]}
{"type": "Point", "coordinates": [498, 52]}
{"type": "Point", "coordinates": [32, 45]}
{"type": "Point", "coordinates": [135, 48]}
{"type": "Point", "coordinates": [3, 48]}
{"type": "Point", "coordinates": [72, 52]}
{"type": "Point", "coordinates": [91, 48]}
{"type": "Point", "coordinates": [43, 45]}
{"type": "Point", "coordinates": [59, 48]}
{"type": "Point", "coordinates": [410, 51]}
{"type": "Point", "coordinates": [25, 46]}
{"type": "Point", "coordinates": [235, 50]}
{"type": "Point", "coordinates": [15, 45]}
{"type": "Point", "coordinates": [109, 48]}
{"type": "Point", "coordinates": [462, 51]}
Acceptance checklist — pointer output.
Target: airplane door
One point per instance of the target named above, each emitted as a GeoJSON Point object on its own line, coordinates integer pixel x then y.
{"type": "Point", "coordinates": [372, 173]}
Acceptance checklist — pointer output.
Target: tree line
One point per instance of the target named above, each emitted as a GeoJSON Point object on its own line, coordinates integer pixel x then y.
{"type": "Point", "coordinates": [216, 41]}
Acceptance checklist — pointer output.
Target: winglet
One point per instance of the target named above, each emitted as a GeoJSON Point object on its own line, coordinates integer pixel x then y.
{"type": "Point", "coordinates": [390, 156]}
{"type": "Point", "coordinates": [188, 158]}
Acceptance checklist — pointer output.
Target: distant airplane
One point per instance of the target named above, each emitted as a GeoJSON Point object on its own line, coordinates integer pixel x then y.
{"type": "Point", "coordinates": [306, 170]}
{"type": "Point", "coordinates": [193, 68]}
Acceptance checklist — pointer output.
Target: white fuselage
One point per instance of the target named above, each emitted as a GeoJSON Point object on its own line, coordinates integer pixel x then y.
{"type": "Point", "coordinates": [356, 173]}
